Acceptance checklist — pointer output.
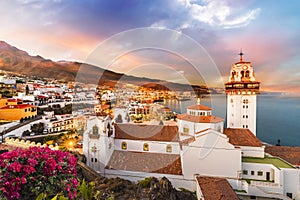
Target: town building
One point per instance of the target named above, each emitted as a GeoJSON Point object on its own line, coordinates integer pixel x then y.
{"type": "Point", "coordinates": [196, 151]}
{"type": "Point", "coordinates": [16, 110]}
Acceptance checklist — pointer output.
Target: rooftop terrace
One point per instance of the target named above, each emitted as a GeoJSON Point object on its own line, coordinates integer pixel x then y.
{"type": "Point", "coordinates": [277, 162]}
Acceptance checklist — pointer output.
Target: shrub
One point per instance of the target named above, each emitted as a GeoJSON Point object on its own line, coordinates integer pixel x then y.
{"type": "Point", "coordinates": [24, 174]}
{"type": "Point", "coordinates": [145, 183]}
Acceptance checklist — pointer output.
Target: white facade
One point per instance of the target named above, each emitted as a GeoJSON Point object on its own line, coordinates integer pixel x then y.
{"type": "Point", "coordinates": [263, 172]}
{"type": "Point", "coordinates": [206, 155]}
{"type": "Point", "coordinates": [241, 90]}
{"type": "Point", "coordinates": [98, 145]}
{"type": "Point", "coordinates": [191, 128]}
{"type": "Point", "coordinates": [241, 111]}
{"type": "Point", "coordinates": [153, 146]}
{"type": "Point", "coordinates": [258, 152]}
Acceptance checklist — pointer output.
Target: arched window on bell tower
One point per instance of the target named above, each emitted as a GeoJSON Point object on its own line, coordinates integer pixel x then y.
{"type": "Point", "coordinates": [243, 74]}
{"type": "Point", "coordinates": [247, 74]}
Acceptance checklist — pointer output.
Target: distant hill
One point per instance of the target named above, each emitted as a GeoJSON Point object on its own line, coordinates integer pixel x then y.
{"type": "Point", "coordinates": [18, 61]}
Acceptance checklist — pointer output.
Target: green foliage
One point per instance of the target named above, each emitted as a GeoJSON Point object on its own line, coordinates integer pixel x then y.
{"type": "Point", "coordinates": [44, 196]}
{"type": "Point", "coordinates": [51, 137]}
{"type": "Point", "coordinates": [86, 191]}
{"type": "Point", "coordinates": [26, 133]}
{"type": "Point", "coordinates": [146, 182]}
{"type": "Point", "coordinates": [37, 128]}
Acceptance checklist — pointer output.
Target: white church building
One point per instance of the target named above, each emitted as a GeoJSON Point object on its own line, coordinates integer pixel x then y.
{"type": "Point", "coordinates": [195, 147]}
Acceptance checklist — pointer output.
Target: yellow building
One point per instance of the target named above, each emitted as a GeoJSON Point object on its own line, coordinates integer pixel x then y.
{"type": "Point", "coordinates": [18, 112]}
{"type": "Point", "coordinates": [3, 102]}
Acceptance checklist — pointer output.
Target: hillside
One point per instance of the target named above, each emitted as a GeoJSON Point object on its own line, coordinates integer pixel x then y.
{"type": "Point", "coordinates": [18, 61]}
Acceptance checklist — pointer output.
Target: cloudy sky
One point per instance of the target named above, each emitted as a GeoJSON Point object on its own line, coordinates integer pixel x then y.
{"type": "Point", "coordinates": [267, 31]}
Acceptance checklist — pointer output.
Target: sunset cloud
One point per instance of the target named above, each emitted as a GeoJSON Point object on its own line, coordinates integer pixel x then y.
{"type": "Point", "coordinates": [72, 30]}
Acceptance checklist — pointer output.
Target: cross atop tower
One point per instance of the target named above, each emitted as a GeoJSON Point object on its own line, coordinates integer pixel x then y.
{"type": "Point", "coordinates": [241, 56]}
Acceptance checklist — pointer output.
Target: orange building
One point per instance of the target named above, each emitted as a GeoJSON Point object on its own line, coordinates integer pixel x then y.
{"type": "Point", "coordinates": [3, 102]}
{"type": "Point", "coordinates": [18, 112]}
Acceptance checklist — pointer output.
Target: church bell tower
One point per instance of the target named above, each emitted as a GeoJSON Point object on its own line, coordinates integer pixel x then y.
{"type": "Point", "coordinates": [242, 89]}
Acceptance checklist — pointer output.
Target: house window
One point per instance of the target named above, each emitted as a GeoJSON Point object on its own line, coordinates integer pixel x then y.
{"type": "Point", "coordinates": [245, 172]}
{"type": "Point", "coordinates": [92, 159]}
{"type": "Point", "coordinates": [185, 130]}
{"type": "Point", "coordinates": [245, 101]}
{"type": "Point", "coordinates": [252, 197]}
{"type": "Point", "coordinates": [146, 147]}
{"type": "Point", "coordinates": [119, 119]}
{"type": "Point", "coordinates": [289, 195]}
{"type": "Point", "coordinates": [25, 109]}
{"type": "Point", "coordinates": [169, 148]}
{"type": "Point", "coordinates": [259, 173]}
{"type": "Point", "coordinates": [252, 173]}
{"type": "Point", "coordinates": [95, 130]}
{"type": "Point", "coordinates": [124, 145]}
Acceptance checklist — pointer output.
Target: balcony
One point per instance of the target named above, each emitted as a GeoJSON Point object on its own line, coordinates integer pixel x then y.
{"type": "Point", "coordinates": [241, 85]}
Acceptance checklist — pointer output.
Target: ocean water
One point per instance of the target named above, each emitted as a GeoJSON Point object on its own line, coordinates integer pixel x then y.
{"type": "Point", "coordinates": [278, 116]}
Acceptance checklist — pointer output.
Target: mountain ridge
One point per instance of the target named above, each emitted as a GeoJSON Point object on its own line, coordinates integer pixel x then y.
{"type": "Point", "coordinates": [19, 61]}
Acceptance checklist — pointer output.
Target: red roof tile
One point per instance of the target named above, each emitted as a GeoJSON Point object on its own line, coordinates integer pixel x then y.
{"type": "Point", "coordinates": [145, 162]}
{"type": "Point", "coordinates": [146, 132]}
{"type": "Point", "coordinates": [214, 188]}
{"type": "Point", "coordinates": [199, 107]}
{"type": "Point", "coordinates": [290, 154]}
{"type": "Point", "coordinates": [200, 119]}
{"type": "Point", "coordinates": [14, 100]}
{"type": "Point", "coordinates": [20, 106]}
{"type": "Point", "coordinates": [242, 137]}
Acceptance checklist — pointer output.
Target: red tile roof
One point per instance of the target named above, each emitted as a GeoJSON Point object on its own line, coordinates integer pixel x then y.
{"type": "Point", "coordinates": [214, 188]}
{"type": "Point", "coordinates": [290, 154]}
{"type": "Point", "coordinates": [145, 162]}
{"type": "Point", "coordinates": [20, 106]}
{"type": "Point", "coordinates": [200, 119]}
{"type": "Point", "coordinates": [242, 137]}
{"type": "Point", "coordinates": [199, 107]}
{"type": "Point", "coordinates": [146, 132]}
{"type": "Point", "coordinates": [14, 100]}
